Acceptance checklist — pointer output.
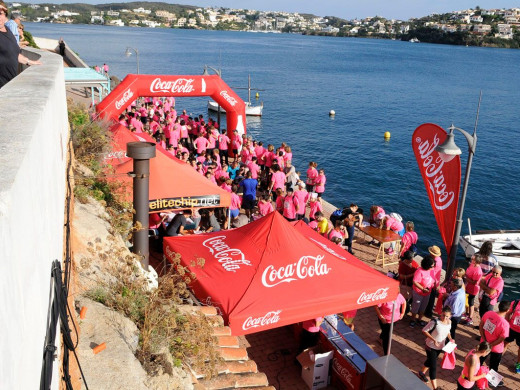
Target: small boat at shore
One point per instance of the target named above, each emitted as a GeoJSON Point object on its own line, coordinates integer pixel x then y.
{"type": "Point", "coordinates": [251, 110]}
{"type": "Point", "coordinates": [414, 40]}
{"type": "Point", "coordinates": [506, 245]}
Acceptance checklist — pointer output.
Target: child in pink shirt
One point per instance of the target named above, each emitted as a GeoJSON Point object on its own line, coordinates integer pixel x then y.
{"type": "Point", "coordinates": [314, 206]}
{"type": "Point", "coordinates": [265, 206]}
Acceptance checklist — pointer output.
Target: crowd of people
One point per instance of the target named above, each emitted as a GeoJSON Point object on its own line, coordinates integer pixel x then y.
{"type": "Point", "coordinates": [263, 179]}
{"type": "Point", "coordinates": [11, 41]}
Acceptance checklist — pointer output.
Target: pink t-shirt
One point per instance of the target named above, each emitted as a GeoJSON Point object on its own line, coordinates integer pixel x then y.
{"type": "Point", "coordinates": [235, 202]}
{"type": "Point", "coordinates": [495, 283]}
{"type": "Point", "coordinates": [386, 309]}
{"type": "Point", "coordinates": [473, 276]}
{"type": "Point", "coordinates": [312, 325]}
{"type": "Point", "coordinates": [278, 180]}
{"type": "Point", "coordinates": [236, 142]}
{"type": "Point", "coordinates": [394, 224]}
{"type": "Point", "coordinates": [184, 132]}
{"type": "Point", "coordinates": [302, 197]}
{"type": "Point", "coordinates": [226, 187]}
{"type": "Point", "coordinates": [201, 144]}
{"type": "Point", "coordinates": [437, 271]}
{"type": "Point", "coordinates": [289, 207]}
{"type": "Point", "coordinates": [268, 158]}
{"type": "Point", "coordinates": [265, 208]}
{"type": "Point", "coordinates": [212, 141]}
{"type": "Point", "coordinates": [514, 322]}
{"type": "Point", "coordinates": [319, 182]}
{"type": "Point", "coordinates": [312, 174]}
{"type": "Point", "coordinates": [223, 141]}
{"type": "Point", "coordinates": [335, 233]}
{"type": "Point", "coordinates": [254, 168]}
{"type": "Point", "coordinates": [494, 328]}
{"type": "Point", "coordinates": [314, 208]}
{"type": "Point", "coordinates": [313, 225]}
{"type": "Point", "coordinates": [409, 238]}
{"type": "Point", "coordinates": [287, 157]}
{"type": "Point", "coordinates": [279, 204]}
{"type": "Point", "coordinates": [425, 279]}
{"type": "Point", "coordinates": [259, 152]}
{"type": "Point", "coordinates": [245, 157]}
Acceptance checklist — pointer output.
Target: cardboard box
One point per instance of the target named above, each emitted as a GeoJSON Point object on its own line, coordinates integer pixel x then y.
{"type": "Point", "coordinates": [315, 367]}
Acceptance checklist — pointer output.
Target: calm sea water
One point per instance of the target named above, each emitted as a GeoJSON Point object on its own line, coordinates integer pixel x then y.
{"type": "Point", "coordinates": [374, 86]}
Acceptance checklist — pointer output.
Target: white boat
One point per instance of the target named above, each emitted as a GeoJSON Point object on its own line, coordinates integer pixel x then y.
{"type": "Point", "coordinates": [250, 109]}
{"type": "Point", "coordinates": [506, 245]}
{"type": "Point", "coordinates": [414, 40]}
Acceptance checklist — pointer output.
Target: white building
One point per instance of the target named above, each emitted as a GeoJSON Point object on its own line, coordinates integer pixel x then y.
{"type": "Point", "coordinates": [116, 22]}
{"type": "Point", "coordinates": [141, 10]}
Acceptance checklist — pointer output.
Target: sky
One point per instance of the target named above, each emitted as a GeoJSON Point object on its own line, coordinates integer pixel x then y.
{"type": "Point", "coordinates": [346, 9]}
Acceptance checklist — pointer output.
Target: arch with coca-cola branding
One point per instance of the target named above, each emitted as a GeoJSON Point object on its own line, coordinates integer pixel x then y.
{"type": "Point", "coordinates": [134, 86]}
{"type": "Point", "coordinates": [259, 281]}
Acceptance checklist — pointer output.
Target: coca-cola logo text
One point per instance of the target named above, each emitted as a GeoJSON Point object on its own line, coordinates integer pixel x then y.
{"type": "Point", "coordinates": [269, 318]}
{"type": "Point", "coordinates": [175, 86]}
{"type": "Point", "coordinates": [124, 99]}
{"type": "Point", "coordinates": [231, 259]}
{"type": "Point", "coordinates": [379, 295]}
{"type": "Point", "coordinates": [306, 267]}
{"type": "Point", "coordinates": [330, 250]}
{"type": "Point", "coordinates": [343, 372]}
{"type": "Point", "coordinates": [230, 99]}
{"type": "Point", "coordinates": [442, 197]}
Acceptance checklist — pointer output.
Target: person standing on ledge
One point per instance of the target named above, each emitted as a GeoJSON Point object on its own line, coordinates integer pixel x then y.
{"type": "Point", "coordinates": [61, 45]}
{"type": "Point", "coordinates": [10, 54]}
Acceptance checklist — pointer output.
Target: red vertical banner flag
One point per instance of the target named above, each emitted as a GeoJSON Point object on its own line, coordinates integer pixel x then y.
{"type": "Point", "coordinates": [441, 179]}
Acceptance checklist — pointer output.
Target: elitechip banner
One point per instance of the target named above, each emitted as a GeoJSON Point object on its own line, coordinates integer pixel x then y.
{"type": "Point", "coordinates": [441, 179]}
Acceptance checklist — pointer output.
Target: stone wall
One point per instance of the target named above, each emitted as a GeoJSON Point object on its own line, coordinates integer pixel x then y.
{"type": "Point", "coordinates": [33, 156]}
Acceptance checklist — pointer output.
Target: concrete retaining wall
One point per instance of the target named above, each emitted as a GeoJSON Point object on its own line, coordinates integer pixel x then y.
{"type": "Point", "coordinates": [33, 156]}
{"type": "Point", "coordinates": [52, 44]}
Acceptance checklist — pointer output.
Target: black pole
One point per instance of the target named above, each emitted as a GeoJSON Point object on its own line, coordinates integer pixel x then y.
{"type": "Point", "coordinates": [141, 152]}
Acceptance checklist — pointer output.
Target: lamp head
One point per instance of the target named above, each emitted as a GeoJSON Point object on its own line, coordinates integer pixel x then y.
{"type": "Point", "coordinates": [205, 73]}
{"type": "Point", "coordinates": [128, 53]}
{"type": "Point", "coordinates": [448, 149]}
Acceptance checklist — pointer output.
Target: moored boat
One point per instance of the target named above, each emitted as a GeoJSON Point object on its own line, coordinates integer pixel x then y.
{"type": "Point", "coordinates": [506, 245]}
{"type": "Point", "coordinates": [250, 109]}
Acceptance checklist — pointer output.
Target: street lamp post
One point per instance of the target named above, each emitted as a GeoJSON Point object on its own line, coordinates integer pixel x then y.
{"type": "Point", "coordinates": [128, 53]}
{"type": "Point", "coordinates": [447, 151]}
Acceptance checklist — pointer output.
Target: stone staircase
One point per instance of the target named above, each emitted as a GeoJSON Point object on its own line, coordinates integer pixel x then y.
{"type": "Point", "coordinates": [236, 371]}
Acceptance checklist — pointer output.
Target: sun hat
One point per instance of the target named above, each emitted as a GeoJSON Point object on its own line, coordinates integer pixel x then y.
{"type": "Point", "coordinates": [435, 251]}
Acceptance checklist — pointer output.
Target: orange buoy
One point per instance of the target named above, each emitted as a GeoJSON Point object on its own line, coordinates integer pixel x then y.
{"type": "Point", "coordinates": [83, 312]}
{"type": "Point", "coordinates": [99, 348]}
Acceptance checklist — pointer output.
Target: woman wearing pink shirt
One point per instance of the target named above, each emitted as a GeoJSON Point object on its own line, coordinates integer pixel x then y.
{"type": "Point", "coordinates": [384, 317]}
{"type": "Point", "coordinates": [469, 374]}
{"type": "Point", "coordinates": [473, 276]}
{"type": "Point", "coordinates": [288, 154]}
{"type": "Point", "coordinates": [234, 207]}
{"type": "Point", "coordinates": [268, 156]}
{"type": "Point", "coordinates": [319, 183]}
{"type": "Point", "coordinates": [259, 153]}
{"type": "Point", "coordinates": [513, 317]}
{"type": "Point", "coordinates": [435, 252]}
{"type": "Point", "coordinates": [338, 232]}
{"type": "Point", "coordinates": [253, 167]}
{"type": "Point", "coordinates": [312, 174]}
{"type": "Point", "coordinates": [409, 238]}
{"type": "Point", "coordinates": [201, 144]}
{"type": "Point", "coordinates": [423, 283]}
{"type": "Point", "coordinates": [279, 200]}
{"type": "Point", "coordinates": [236, 143]}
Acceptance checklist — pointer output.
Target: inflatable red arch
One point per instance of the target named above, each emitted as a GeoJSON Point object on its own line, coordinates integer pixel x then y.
{"type": "Point", "coordinates": [134, 86]}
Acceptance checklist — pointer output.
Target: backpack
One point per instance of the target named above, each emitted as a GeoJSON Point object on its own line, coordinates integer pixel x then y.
{"type": "Point", "coordinates": [336, 216]}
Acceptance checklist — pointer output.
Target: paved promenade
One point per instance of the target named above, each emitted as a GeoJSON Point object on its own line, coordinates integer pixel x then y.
{"type": "Point", "coordinates": [274, 351]}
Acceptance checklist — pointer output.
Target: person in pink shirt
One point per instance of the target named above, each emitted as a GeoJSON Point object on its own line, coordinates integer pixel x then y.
{"type": "Point", "coordinates": [226, 184]}
{"type": "Point", "coordinates": [288, 154]}
{"type": "Point", "coordinates": [310, 333]}
{"type": "Point", "coordinates": [280, 194]}
{"type": "Point", "coordinates": [290, 205]}
{"type": "Point", "coordinates": [312, 174]}
{"type": "Point", "coordinates": [319, 183]}
{"type": "Point", "coordinates": [423, 283]}
{"type": "Point", "coordinates": [384, 317]}
{"type": "Point", "coordinates": [245, 156]}
{"type": "Point", "coordinates": [212, 139]}
{"type": "Point", "coordinates": [302, 196]}
{"type": "Point", "coordinates": [390, 222]}
{"type": "Point", "coordinates": [136, 124]}
{"type": "Point", "coordinates": [259, 153]}
{"type": "Point", "coordinates": [201, 144]}
{"type": "Point", "coordinates": [491, 285]}
{"type": "Point", "coordinates": [513, 317]}
{"type": "Point", "coordinates": [435, 252]}
{"type": "Point", "coordinates": [338, 232]}
{"type": "Point", "coordinates": [470, 371]}
{"type": "Point", "coordinates": [409, 239]}
{"type": "Point", "coordinates": [277, 180]}
{"type": "Point", "coordinates": [314, 206]}
{"type": "Point", "coordinates": [268, 156]}
{"type": "Point", "coordinates": [279, 160]}
{"type": "Point", "coordinates": [377, 213]}
{"type": "Point", "coordinates": [236, 143]}
{"type": "Point", "coordinates": [473, 276]}
{"type": "Point", "coordinates": [494, 329]}
{"type": "Point", "coordinates": [254, 168]}
{"type": "Point", "coordinates": [264, 205]}
{"type": "Point", "coordinates": [234, 207]}
{"type": "Point", "coordinates": [223, 144]}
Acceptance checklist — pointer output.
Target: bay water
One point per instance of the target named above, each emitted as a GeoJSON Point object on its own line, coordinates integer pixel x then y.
{"type": "Point", "coordinates": [373, 85]}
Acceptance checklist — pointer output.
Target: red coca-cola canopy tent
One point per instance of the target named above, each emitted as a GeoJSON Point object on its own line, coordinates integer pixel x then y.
{"type": "Point", "coordinates": [269, 274]}
{"type": "Point", "coordinates": [173, 183]}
